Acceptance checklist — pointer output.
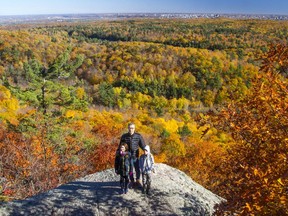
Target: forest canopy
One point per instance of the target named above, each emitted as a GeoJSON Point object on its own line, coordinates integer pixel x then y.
{"type": "Point", "coordinates": [202, 92]}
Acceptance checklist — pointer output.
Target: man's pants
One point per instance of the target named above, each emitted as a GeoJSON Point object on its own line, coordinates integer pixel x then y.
{"type": "Point", "coordinates": [135, 165]}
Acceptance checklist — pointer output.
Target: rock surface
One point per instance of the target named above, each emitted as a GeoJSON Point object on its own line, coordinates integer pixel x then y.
{"type": "Point", "coordinates": [173, 193]}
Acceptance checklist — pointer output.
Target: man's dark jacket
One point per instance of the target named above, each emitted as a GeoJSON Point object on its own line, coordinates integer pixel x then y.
{"type": "Point", "coordinates": [134, 141]}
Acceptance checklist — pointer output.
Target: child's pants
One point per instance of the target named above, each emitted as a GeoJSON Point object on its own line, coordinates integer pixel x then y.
{"type": "Point", "coordinates": [146, 181]}
{"type": "Point", "coordinates": [124, 181]}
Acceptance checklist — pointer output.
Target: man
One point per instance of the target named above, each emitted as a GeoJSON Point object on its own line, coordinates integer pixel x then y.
{"type": "Point", "coordinates": [134, 141]}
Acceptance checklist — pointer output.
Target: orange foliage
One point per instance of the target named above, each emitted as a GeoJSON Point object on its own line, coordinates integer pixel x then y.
{"type": "Point", "coordinates": [103, 156]}
{"type": "Point", "coordinates": [257, 172]}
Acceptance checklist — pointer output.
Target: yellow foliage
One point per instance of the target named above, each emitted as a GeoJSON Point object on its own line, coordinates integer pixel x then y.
{"type": "Point", "coordinates": [183, 103]}
{"type": "Point", "coordinates": [117, 90]}
{"type": "Point", "coordinates": [173, 146]}
{"type": "Point", "coordinates": [170, 125]}
{"type": "Point", "coordinates": [140, 98]}
{"type": "Point", "coordinates": [73, 114]}
{"type": "Point", "coordinates": [8, 106]}
{"type": "Point", "coordinates": [80, 93]}
{"type": "Point", "coordinates": [280, 182]}
{"type": "Point", "coordinates": [172, 105]}
{"type": "Point", "coordinates": [192, 126]}
{"type": "Point", "coordinates": [70, 114]}
{"type": "Point", "coordinates": [4, 93]}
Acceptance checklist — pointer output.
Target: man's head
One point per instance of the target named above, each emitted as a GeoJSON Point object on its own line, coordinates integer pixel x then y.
{"type": "Point", "coordinates": [131, 128]}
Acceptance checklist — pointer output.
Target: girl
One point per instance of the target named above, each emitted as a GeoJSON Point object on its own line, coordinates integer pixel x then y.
{"type": "Point", "coordinates": [122, 166]}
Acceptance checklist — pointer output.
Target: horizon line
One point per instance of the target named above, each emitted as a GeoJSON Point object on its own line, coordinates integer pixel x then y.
{"type": "Point", "coordinates": [222, 13]}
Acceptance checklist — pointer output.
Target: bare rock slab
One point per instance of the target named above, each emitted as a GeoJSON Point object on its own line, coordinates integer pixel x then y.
{"type": "Point", "coordinates": [172, 193]}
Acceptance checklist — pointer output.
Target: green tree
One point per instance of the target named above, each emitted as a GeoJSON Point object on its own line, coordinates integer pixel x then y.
{"type": "Point", "coordinates": [45, 88]}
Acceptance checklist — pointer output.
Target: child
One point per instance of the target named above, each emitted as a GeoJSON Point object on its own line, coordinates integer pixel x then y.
{"type": "Point", "coordinates": [122, 166]}
{"type": "Point", "coordinates": [146, 164]}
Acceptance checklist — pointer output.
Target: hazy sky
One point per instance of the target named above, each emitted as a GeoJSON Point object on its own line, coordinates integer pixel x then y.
{"type": "Point", "coordinates": [23, 7]}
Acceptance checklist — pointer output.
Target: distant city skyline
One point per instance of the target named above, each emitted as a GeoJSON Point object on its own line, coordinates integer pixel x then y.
{"type": "Point", "coordinates": [34, 7]}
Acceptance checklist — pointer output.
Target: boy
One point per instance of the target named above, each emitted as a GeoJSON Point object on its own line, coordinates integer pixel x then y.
{"type": "Point", "coordinates": [146, 164]}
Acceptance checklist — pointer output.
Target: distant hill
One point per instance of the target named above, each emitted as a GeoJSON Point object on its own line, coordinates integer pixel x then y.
{"type": "Point", "coordinates": [174, 193]}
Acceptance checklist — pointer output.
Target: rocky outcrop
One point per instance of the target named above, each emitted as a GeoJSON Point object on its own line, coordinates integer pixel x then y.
{"type": "Point", "coordinates": [173, 193]}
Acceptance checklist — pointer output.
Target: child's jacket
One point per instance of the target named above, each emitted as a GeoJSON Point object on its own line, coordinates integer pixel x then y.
{"type": "Point", "coordinates": [122, 163]}
{"type": "Point", "coordinates": [146, 162]}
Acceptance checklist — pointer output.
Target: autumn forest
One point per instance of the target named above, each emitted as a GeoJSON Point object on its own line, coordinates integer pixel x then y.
{"type": "Point", "coordinates": [210, 96]}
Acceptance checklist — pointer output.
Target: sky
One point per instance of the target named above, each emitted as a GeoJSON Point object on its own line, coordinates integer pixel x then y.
{"type": "Point", "coordinates": [33, 7]}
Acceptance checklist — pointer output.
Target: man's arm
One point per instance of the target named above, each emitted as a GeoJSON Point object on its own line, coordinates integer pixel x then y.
{"type": "Point", "coordinates": [141, 142]}
{"type": "Point", "coordinates": [116, 163]}
{"type": "Point", "coordinates": [122, 139]}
